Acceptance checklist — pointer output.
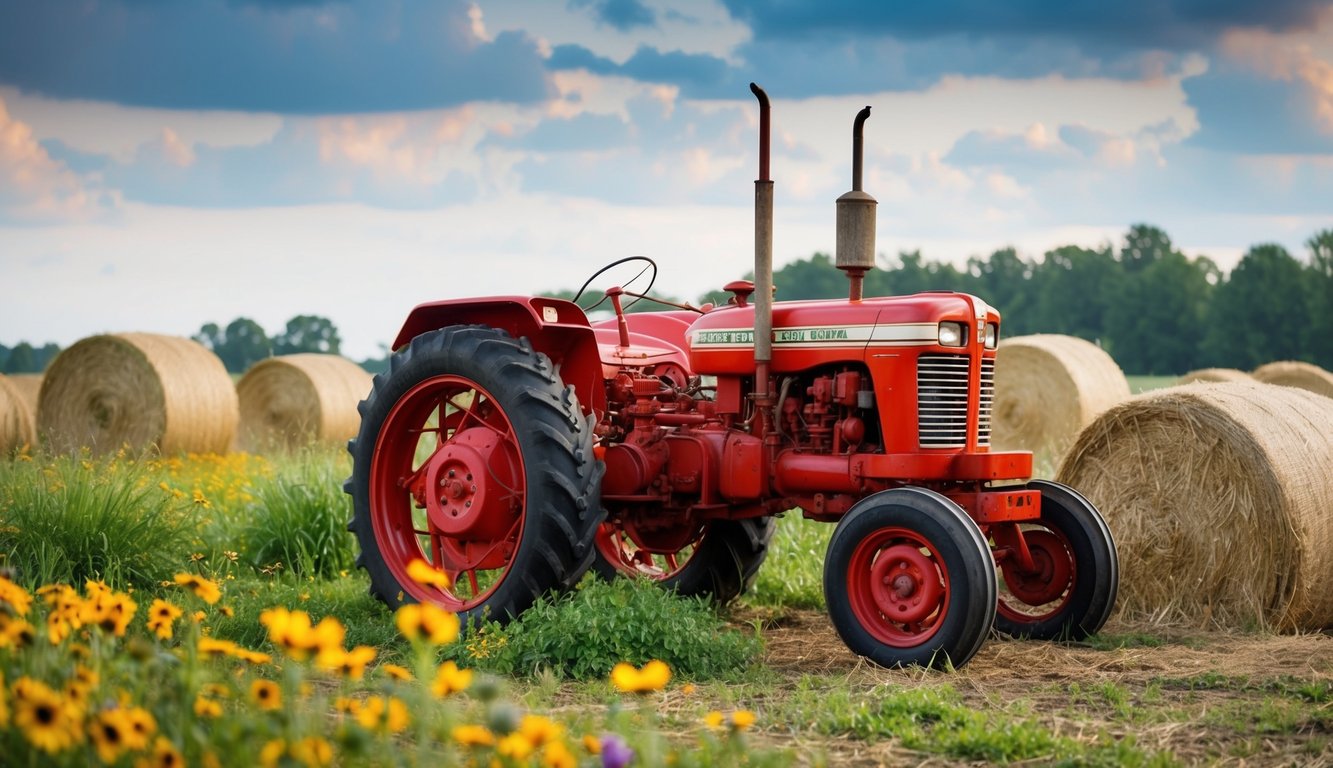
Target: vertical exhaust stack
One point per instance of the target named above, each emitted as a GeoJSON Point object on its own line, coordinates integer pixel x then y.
{"type": "Point", "coordinates": [856, 219]}
{"type": "Point", "coordinates": [763, 273]}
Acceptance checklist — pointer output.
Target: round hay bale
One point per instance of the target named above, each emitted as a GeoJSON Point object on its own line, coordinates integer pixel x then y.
{"type": "Point", "coordinates": [1047, 388]}
{"type": "Point", "coordinates": [1291, 373]}
{"type": "Point", "coordinates": [29, 387]}
{"type": "Point", "coordinates": [16, 423]}
{"type": "Point", "coordinates": [1220, 501]}
{"type": "Point", "coordinates": [295, 400]}
{"type": "Point", "coordinates": [137, 389]}
{"type": "Point", "coordinates": [1214, 376]}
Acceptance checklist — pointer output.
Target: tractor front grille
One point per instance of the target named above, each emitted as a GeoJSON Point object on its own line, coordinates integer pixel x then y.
{"type": "Point", "coordinates": [942, 388]}
{"type": "Point", "coordinates": [987, 400]}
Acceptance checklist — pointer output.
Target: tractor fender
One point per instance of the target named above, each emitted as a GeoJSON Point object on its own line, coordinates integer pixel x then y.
{"type": "Point", "coordinates": [555, 327]}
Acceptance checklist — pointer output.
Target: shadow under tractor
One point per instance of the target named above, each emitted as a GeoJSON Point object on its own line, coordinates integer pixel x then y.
{"type": "Point", "coordinates": [513, 444]}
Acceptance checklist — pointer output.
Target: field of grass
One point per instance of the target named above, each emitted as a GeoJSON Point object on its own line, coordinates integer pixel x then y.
{"type": "Point", "coordinates": [765, 681]}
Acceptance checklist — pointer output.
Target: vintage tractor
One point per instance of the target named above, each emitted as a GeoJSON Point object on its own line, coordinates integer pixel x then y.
{"type": "Point", "coordinates": [513, 445]}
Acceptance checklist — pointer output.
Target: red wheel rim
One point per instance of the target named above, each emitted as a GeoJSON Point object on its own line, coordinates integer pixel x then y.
{"type": "Point", "coordinates": [619, 549]}
{"type": "Point", "coordinates": [1043, 592]}
{"type": "Point", "coordinates": [898, 587]}
{"type": "Point", "coordinates": [448, 486]}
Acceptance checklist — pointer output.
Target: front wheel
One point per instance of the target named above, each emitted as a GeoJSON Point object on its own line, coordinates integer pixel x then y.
{"type": "Point", "coordinates": [1069, 591]}
{"type": "Point", "coordinates": [473, 457]}
{"type": "Point", "coordinates": [909, 580]}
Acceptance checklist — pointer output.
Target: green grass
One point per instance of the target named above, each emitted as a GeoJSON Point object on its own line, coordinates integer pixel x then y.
{"type": "Point", "coordinates": [71, 519]}
{"type": "Point", "coordinates": [793, 572]}
{"type": "Point", "coordinates": [1139, 384]}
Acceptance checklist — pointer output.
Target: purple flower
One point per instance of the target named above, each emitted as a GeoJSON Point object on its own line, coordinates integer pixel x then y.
{"type": "Point", "coordinates": [615, 752]}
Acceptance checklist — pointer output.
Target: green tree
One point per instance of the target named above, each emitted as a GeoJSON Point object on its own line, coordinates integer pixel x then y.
{"type": "Point", "coordinates": [22, 359]}
{"type": "Point", "coordinates": [1004, 280]}
{"type": "Point", "coordinates": [308, 333]}
{"type": "Point", "coordinates": [1144, 246]}
{"type": "Point", "coordinates": [1073, 289]}
{"type": "Point", "coordinates": [245, 344]}
{"type": "Point", "coordinates": [1260, 313]}
{"type": "Point", "coordinates": [1320, 297]}
{"type": "Point", "coordinates": [1156, 326]}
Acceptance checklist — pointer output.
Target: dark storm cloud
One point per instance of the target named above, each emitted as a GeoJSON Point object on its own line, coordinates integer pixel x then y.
{"type": "Point", "coordinates": [623, 15]}
{"type": "Point", "coordinates": [1171, 24]}
{"type": "Point", "coordinates": [283, 56]}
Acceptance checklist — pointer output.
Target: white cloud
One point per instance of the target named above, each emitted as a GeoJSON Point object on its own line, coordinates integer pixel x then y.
{"type": "Point", "coordinates": [33, 186]}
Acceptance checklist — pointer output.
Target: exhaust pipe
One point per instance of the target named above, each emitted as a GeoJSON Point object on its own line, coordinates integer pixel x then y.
{"type": "Point", "coordinates": [763, 275]}
{"type": "Point", "coordinates": [856, 219]}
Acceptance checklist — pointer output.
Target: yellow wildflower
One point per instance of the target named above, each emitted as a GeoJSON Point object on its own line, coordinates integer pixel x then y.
{"type": "Point", "coordinates": [653, 677]}
{"type": "Point", "coordinates": [350, 664]}
{"type": "Point", "coordinates": [449, 679]}
{"type": "Point", "coordinates": [292, 631]}
{"type": "Point", "coordinates": [15, 632]}
{"type": "Point", "coordinates": [557, 755]}
{"type": "Point", "coordinates": [206, 707]}
{"type": "Point", "coordinates": [266, 695]}
{"type": "Point", "coordinates": [312, 752]}
{"type": "Point", "coordinates": [48, 721]}
{"type": "Point", "coordinates": [427, 622]}
{"type": "Point", "coordinates": [384, 714]}
{"type": "Point", "coordinates": [473, 735]}
{"type": "Point", "coordinates": [162, 618]}
{"type": "Point", "coordinates": [592, 744]}
{"type": "Point", "coordinates": [714, 720]}
{"type": "Point", "coordinates": [742, 719]}
{"type": "Point", "coordinates": [109, 730]}
{"type": "Point", "coordinates": [165, 755]}
{"type": "Point", "coordinates": [539, 730]}
{"type": "Point", "coordinates": [15, 597]}
{"type": "Point", "coordinates": [396, 672]}
{"type": "Point", "coordinates": [426, 574]}
{"type": "Point", "coordinates": [205, 589]}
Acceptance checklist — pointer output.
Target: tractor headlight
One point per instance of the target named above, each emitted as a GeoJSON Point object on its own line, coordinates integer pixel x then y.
{"type": "Point", "coordinates": [992, 335]}
{"type": "Point", "coordinates": [952, 334]}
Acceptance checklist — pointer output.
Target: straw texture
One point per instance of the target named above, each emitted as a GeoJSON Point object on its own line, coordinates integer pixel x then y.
{"type": "Point", "coordinates": [295, 400]}
{"type": "Point", "coordinates": [137, 389]}
{"type": "Point", "coordinates": [1213, 376]}
{"type": "Point", "coordinates": [1220, 500]}
{"type": "Point", "coordinates": [1290, 373]}
{"type": "Point", "coordinates": [1047, 388]}
{"type": "Point", "coordinates": [16, 422]}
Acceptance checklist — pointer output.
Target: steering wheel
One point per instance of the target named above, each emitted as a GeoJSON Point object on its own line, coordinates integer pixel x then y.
{"type": "Point", "coordinates": [649, 266]}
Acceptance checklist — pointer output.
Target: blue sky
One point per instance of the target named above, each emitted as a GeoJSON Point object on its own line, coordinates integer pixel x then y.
{"type": "Point", "coordinates": [163, 165]}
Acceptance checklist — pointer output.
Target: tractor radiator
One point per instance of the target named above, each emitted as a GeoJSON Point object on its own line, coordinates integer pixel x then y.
{"type": "Point", "coordinates": [943, 388]}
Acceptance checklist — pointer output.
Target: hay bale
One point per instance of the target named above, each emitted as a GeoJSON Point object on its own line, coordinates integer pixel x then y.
{"type": "Point", "coordinates": [1047, 388]}
{"type": "Point", "coordinates": [29, 387]}
{"type": "Point", "coordinates": [1290, 373]}
{"type": "Point", "coordinates": [137, 389]}
{"type": "Point", "coordinates": [16, 422]}
{"type": "Point", "coordinates": [295, 400]}
{"type": "Point", "coordinates": [1220, 500]}
{"type": "Point", "coordinates": [1213, 376]}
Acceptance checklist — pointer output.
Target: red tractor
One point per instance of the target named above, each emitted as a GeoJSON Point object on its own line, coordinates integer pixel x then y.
{"type": "Point", "coordinates": [513, 444]}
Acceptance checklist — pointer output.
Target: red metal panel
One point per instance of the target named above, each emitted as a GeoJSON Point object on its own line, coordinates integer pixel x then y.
{"type": "Point", "coordinates": [944, 465]}
{"type": "Point", "coordinates": [1000, 506]}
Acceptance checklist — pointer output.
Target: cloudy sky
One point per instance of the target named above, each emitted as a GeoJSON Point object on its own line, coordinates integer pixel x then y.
{"type": "Point", "coordinates": [166, 164]}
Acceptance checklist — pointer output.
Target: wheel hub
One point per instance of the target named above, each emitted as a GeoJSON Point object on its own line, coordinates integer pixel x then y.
{"type": "Point", "coordinates": [905, 584]}
{"type": "Point", "coordinates": [1051, 572]}
{"type": "Point", "coordinates": [470, 486]}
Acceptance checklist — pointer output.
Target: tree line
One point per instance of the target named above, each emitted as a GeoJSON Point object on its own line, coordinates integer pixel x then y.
{"type": "Point", "coordinates": [1153, 308]}
{"type": "Point", "coordinates": [239, 345]}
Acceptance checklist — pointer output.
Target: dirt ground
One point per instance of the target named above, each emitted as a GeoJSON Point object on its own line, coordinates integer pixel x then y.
{"type": "Point", "coordinates": [1207, 697]}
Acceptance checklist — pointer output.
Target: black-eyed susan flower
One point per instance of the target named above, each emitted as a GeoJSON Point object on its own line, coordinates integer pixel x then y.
{"type": "Point", "coordinates": [472, 736]}
{"type": "Point", "coordinates": [312, 752]}
{"type": "Point", "coordinates": [109, 730]}
{"type": "Point", "coordinates": [214, 648]}
{"type": "Point", "coordinates": [514, 746]}
{"type": "Point", "coordinates": [449, 679]}
{"type": "Point", "coordinates": [162, 617]}
{"type": "Point", "coordinates": [205, 589]}
{"type": "Point", "coordinates": [653, 677]}
{"type": "Point", "coordinates": [45, 718]}
{"type": "Point", "coordinates": [539, 730]}
{"type": "Point", "coordinates": [293, 633]}
{"type": "Point", "coordinates": [715, 720]}
{"type": "Point", "coordinates": [742, 719]}
{"type": "Point", "coordinates": [350, 664]}
{"type": "Point", "coordinates": [206, 707]}
{"type": "Point", "coordinates": [384, 714]}
{"type": "Point", "coordinates": [396, 672]}
{"type": "Point", "coordinates": [16, 632]}
{"type": "Point", "coordinates": [427, 623]}
{"type": "Point", "coordinates": [15, 597]}
{"type": "Point", "coordinates": [107, 609]}
{"type": "Point", "coordinates": [164, 755]}
{"type": "Point", "coordinates": [557, 755]}
{"type": "Point", "coordinates": [426, 574]}
{"type": "Point", "coordinates": [266, 695]}
{"type": "Point", "coordinates": [142, 727]}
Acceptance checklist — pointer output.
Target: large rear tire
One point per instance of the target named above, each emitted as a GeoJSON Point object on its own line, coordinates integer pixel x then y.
{"type": "Point", "coordinates": [473, 457]}
{"type": "Point", "coordinates": [720, 563]}
{"type": "Point", "coordinates": [1070, 591]}
{"type": "Point", "coordinates": [909, 580]}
